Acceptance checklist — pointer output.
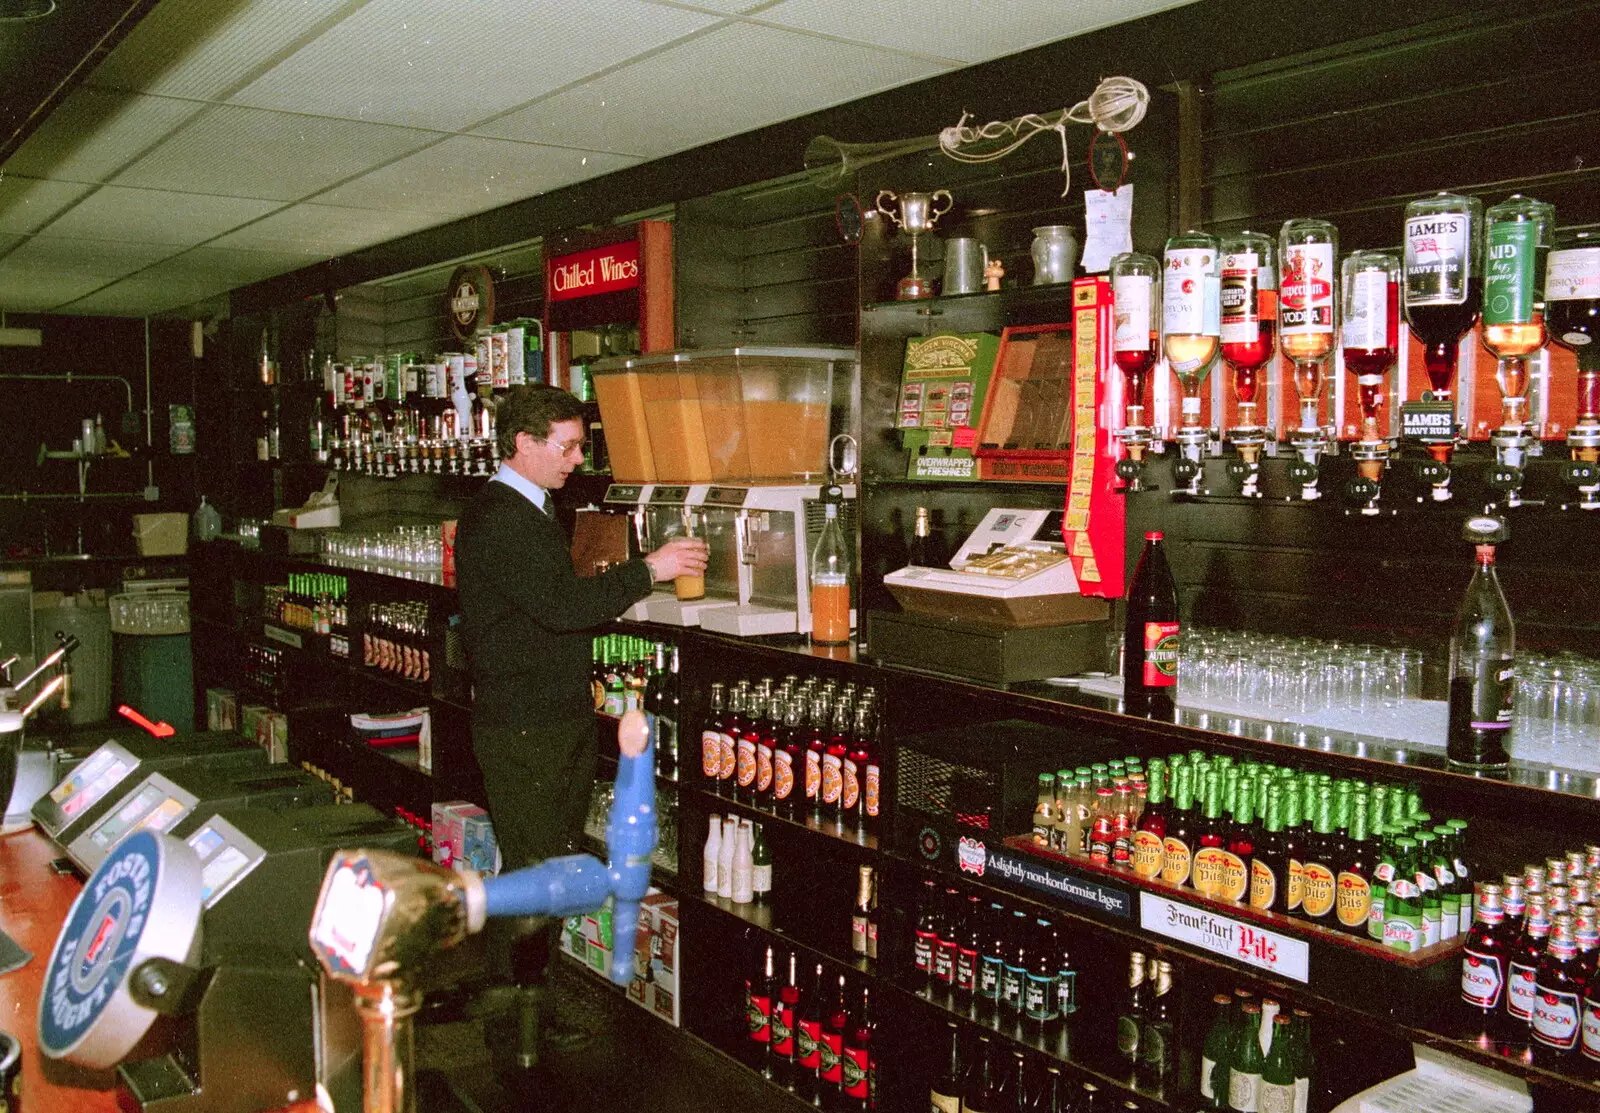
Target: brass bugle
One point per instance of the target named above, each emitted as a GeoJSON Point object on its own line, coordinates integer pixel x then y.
{"type": "Point", "coordinates": [830, 163]}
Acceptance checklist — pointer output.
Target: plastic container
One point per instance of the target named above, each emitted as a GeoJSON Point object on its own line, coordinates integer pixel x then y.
{"type": "Point", "coordinates": [206, 521]}
{"type": "Point", "coordinates": [161, 534]}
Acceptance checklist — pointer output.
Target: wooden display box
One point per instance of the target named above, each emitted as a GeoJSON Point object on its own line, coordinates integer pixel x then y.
{"type": "Point", "coordinates": [981, 651]}
{"type": "Point", "coordinates": [1023, 611]}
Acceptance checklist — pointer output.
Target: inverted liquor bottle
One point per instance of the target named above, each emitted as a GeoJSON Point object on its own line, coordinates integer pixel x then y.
{"type": "Point", "coordinates": [1136, 292]}
{"type": "Point", "coordinates": [1442, 296]}
{"type": "Point", "coordinates": [1572, 307]}
{"type": "Point", "coordinates": [1307, 248]}
{"type": "Point", "coordinates": [1518, 230]}
{"type": "Point", "coordinates": [1191, 325]}
{"type": "Point", "coordinates": [1482, 662]}
{"type": "Point", "coordinates": [1369, 336]}
{"type": "Point", "coordinates": [1249, 319]}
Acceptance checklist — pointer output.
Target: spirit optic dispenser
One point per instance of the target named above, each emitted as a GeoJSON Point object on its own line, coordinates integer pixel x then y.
{"type": "Point", "coordinates": [1136, 291]}
{"type": "Point", "coordinates": [1370, 339]}
{"type": "Point", "coordinates": [1191, 319]}
{"type": "Point", "coordinates": [1308, 248]}
{"type": "Point", "coordinates": [1572, 293]}
{"type": "Point", "coordinates": [1249, 309]}
{"type": "Point", "coordinates": [1518, 231]}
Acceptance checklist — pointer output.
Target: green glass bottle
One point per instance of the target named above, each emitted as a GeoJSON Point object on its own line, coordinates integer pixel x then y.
{"type": "Point", "coordinates": [1247, 1063]}
{"type": "Point", "coordinates": [1463, 872]}
{"type": "Point", "coordinates": [1321, 864]}
{"type": "Point", "coordinates": [1277, 1073]}
{"type": "Point", "coordinates": [1211, 837]}
{"type": "Point", "coordinates": [1216, 1056]}
{"type": "Point", "coordinates": [1402, 906]}
{"type": "Point", "coordinates": [1428, 883]}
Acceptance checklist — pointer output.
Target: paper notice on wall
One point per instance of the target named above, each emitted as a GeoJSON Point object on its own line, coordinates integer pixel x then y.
{"type": "Point", "coordinates": [1108, 218]}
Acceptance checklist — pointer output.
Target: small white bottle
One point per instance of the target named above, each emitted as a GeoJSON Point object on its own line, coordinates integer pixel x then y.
{"type": "Point", "coordinates": [725, 857]}
{"type": "Point", "coordinates": [743, 866]}
{"type": "Point", "coordinates": [713, 854]}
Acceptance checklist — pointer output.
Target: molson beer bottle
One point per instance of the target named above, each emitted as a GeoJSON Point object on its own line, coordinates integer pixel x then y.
{"type": "Point", "coordinates": [1177, 847]}
{"type": "Point", "coordinates": [1483, 963]}
{"type": "Point", "coordinates": [1525, 956]}
{"type": "Point", "coordinates": [1321, 865]}
{"type": "Point", "coordinates": [1558, 993]}
{"type": "Point", "coordinates": [1353, 902]}
{"type": "Point", "coordinates": [1147, 840]}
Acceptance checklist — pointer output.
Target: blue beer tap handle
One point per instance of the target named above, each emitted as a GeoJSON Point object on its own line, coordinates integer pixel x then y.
{"type": "Point", "coordinates": [575, 883]}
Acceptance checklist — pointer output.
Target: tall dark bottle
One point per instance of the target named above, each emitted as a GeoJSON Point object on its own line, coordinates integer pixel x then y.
{"type": "Point", "coordinates": [1558, 996]}
{"type": "Point", "coordinates": [858, 1083]}
{"type": "Point", "coordinates": [785, 1020]}
{"type": "Point", "coordinates": [1485, 964]}
{"type": "Point", "coordinates": [944, 1095]}
{"type": "Point", "coordinates": [1150, 634]}
{"type": "Point", "coordinates": [977, 1092]}
{"type": "Point", "coordinates": [808, 1039]}
{"type": "Point", "coordinates": [830, 1066]}
{"type": "Point", "coordinates": [1482, 650]}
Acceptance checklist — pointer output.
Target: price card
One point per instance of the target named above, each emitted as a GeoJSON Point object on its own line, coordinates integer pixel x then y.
{"type": "Point", "coordinates": [1247, 943]}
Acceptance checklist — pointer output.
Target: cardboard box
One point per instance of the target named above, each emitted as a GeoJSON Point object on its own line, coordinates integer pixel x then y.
{"type": "Point", "coordinates": [222, 709]}
{"type": "Point", "coordinates": [250, 715]}
{"type": "Point", "coordinates": [272, 735]}
{"type": "Point", "coordinates": [450, 831]}
{"type": "Point", "coordinates": [479, 851]}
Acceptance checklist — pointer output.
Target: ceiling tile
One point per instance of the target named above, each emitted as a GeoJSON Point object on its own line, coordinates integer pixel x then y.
{"type": "Point", "coordinates": [721, 7]}
{"type": "Point", "coordinates": [33, 289]}
{"type": "Point", "coordinates": [142, 296]}
{"type": "Point", "coordinates": [423, 64]}
{"type": "Point", "coordinates": [8, 242]}
{"type": "Point", "coordinates": [276, 155]}
{"type": "Point", "coordinates": [711, 87]}
{"type": "Point", "coordinates": [202, 50]}
{"type": "Point", "coordinates": [156, 216]}
{"type": "Point", "coordinates": [964, 30]}
{"type": "Point", "coordinates": [464, 175]}
{"type": "Point", "coordinates": [103, 258]}
{"type": "Point", "coordinates": [230, 266]}
{"type": "Point", "coordinates": [26, 204]}
{"type": "Point", "coordinates": [326, 229]}
{"type": "Point", "coordinates": [96, 132]}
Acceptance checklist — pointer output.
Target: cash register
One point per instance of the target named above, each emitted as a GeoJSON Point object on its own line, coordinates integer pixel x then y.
{"type": "Point", "coordinates": [1006, 608]}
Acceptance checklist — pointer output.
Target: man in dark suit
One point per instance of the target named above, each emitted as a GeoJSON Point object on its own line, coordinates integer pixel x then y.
{"type": "Point", "coordinates": [527, 620]}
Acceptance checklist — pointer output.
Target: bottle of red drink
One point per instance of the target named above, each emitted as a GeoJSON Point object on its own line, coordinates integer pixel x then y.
{"type": "Point", "coordinates": [785, 1018]}
{"type": "Point", "coordinates": [854, 767]}
{"type": "Point", "coordinates": [788, 759]}
{"type": "Point", "coordinates": [1522, 981]}
{"type": "Point", "coordinates": [836, 1020]}
{"type": "Point", "coordinates": [816, 746]}
{"type": "Point", "coordinates": [733, 727]}
{"type": "Point", "coordinates": [767, 729]}
{"type": "Point", "coordinates": [1124, 803]}
{"type": "Point", "coordinates": [1485, 964]}
{"type": "Point", "coordinates": [1103, 826]}
{"type": "Point", "coordinates": [1558, 995]}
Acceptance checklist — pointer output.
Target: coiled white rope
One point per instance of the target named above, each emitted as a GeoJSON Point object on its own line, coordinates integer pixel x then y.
{"type": "Point", "coordinates": [1116, 105]}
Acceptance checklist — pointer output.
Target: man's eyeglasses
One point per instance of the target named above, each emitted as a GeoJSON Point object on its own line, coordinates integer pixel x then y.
{"type": "Point", "coordinates": [565, 448]}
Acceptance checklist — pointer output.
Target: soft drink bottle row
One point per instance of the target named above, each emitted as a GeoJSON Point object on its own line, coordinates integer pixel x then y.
{"type": "Point", "coordinates": [814, 1039]}
{"type": "Point", "coordinates": [1365, 859]}
{"type": "Point", "coordinates": [796, 747]}
{"type": "Point", "coordinates": [737, 862]}
{"type": "Point", "coordinates": [1257, 1056]}
{"type": "Point", "coordinates": [1529, 971]}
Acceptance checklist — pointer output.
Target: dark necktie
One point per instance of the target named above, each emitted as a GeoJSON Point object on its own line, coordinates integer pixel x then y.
{"type": "Point", "coordinates": [547, 509]}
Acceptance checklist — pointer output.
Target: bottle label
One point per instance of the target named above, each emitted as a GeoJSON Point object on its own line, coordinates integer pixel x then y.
{"type": "Point", "coordinates": [813, 775]}
{"type": "Point", "coordinates": [1011, 982]}
{"type": "Point", "coordinates": [1555, 1018]}
{"type": "Point", "coordinates": [1039, 998]}
{"type": "Point", "coordinates": [853, 1072]}
{"type": "Point", "coordinates": [1384, 872]}
{"type": "Point", "coordinates": [944, 961]}
{"type": "Point", "coordinates": [1160, 654]}
{"type": "Point", "coordinates": [830, 1046]}
{"type": "Point", "coordinates": [1208, 1074]}
{"type": "Point", "coordinates": [922, 951]}
{"type": "Point", "coordinates": [1235, 877]}
{"type": "Point", "coordinates": [1481, 980]}
{"type": "Point", "coordinates": [783, 1031]}
{"type": "Point", "coordinates": [1296, 895]}
{"type": "Point", "coordinates": [990, 971]}
{"type": "Point", "coordinates": [782, 775]}
{"type": "Point", "coordinates": [1591, 1030]}
{"type": "Point", "coordinates": [1366, 313]}
{"type": "Point", "coordinates": [729, 761]}
{"type": "Point", "coordinates": [1244, 1091]}
{"type": "Point", "coordinates": [1176, 861]}
{"type": "Point", "coordinates": [832, 778]}
{"type": "Point", "coordinates": [1520, 991]}
{"type": "Point", "coordinates": [1573, 274]}
{"type": "Point", "coordinates": [1353, 904]}
{"type": "Point", "coordinates": [1318, 897]}
{"type": "Point", "coordinates": [1102, 839]}
{"type": "Point", "coordinates": [1147, 854]}
{"type": "Point", "coordinates": [1508, 278]}
{"type": "Point", "coordinates": [858, 934]}
{"type": "Point", "coordinates": [1121, 842]}
{"type": "Point", "coordinates": [1263, 884]}
{"type": "Point", "coordinates": [761, 879]}
{"type": "Point", "coordinates": [1276, 1097]}
{"type": "Point", "coordinates": [1307, 290]}
{"type": "Point", "coordinates": [1066, 992]}
{"type": "Point", "coordinates": [808, 1044]}
{"type": "Point", "coordinates": [1211, 870]}
{"type": "Point", "coordinates": [1493, 688]}
{"type": "Point", "coordinates": [1403, 932]}
{"type": "Point", "coordinates": [871, 791]}
{"type": "Point", "coordinates": [966, 970]}
{"type": "Point", "coordinates": [1184, 304]}
{"type": "Point", "coordinates": [944, 1103]}
{"type": "Point", "coordinates": [1241, 298]}
{"type": "Point", "coordinates": [1437, 258]}
{"type": "Point", "coordinates": [763, 768]}
{"type": "Point", "coordinates": [850, 786]}
{"type": "Point", "coordinates": [1128, 1036]}
{"type": "Point", "coordinates": [759, 1014]}
{"type": "Point", "coordinates": [1131, 293]}
{"type": "Point", "coordinates": [747, 762]}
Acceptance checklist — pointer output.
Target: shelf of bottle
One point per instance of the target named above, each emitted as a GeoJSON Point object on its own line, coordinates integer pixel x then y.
{"type": "Point", "coordinates": [761, 916]}
{"type": "Point", "coordinates": [1432, 1017]}
{"type": "Point", "coordinates": [1066, 1041]}
{"type": "Point", "coordinates": [834, 828]}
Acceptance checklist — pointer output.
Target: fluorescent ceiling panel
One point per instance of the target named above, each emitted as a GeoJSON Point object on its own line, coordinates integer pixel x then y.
{"type": "Point", "coordinates": [96, 132]}
{"type": "Point", "coordinates": [274, 155]}
{"type": "Point", "coordinates": [326, 229]}
{"type": "Point", "coordinates": [203, 50]}
{"type": "Point", "coordinates": [445, 66]}
{"type": "Point", "coordinates": [102, 258]}
{"type": "Point", "coordinates": [464, 175]}
{"type": "Point", "coordinates": [156, 216]}
{"type": "Point", "coordinates": [27, 204]}
{"type": "Point", "coordinates": [966, 30]}
{"type": "Point", "coordinates": [728, 81]}
{"type": "Point", "coordinates": [30, 289]}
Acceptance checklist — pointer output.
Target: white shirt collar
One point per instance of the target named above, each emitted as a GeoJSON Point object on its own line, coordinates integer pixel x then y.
{"type": "Point", "coordinates": [524, 486]}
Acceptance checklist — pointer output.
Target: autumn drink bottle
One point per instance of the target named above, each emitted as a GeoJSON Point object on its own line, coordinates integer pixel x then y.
{"type": "Point", "coordinates": [1150, 634]}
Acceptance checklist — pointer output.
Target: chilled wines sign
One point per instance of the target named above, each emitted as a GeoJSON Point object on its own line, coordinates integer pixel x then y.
{"type": "Point", "coordinates": [600, 270]}
{"type": "Point", "coordinates": [1240, 941]}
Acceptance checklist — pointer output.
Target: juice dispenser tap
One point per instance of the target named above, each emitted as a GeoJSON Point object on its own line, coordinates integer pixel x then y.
{"type": "Point", "coordinates": [1572, 305]}
{"type": "Point", "coordinates": [1518, 231]}
{"type": "Point", "coordinates": [1136, 291]}
{"type": "Point", "coordinates": [1191, 328]}
{"type": "Point", "coordinates": [1308, 248]}
{"type": "Point", "coordinates": [1249, 306]}
{"type": "Point", "coordinates": [1370, 341]}
{"type": "Point", "coordinates": [1441, 299]}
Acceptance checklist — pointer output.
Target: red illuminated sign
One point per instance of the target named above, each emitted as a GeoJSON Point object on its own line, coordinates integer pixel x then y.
{"type": "Point", "coordinates": [599, 270]}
